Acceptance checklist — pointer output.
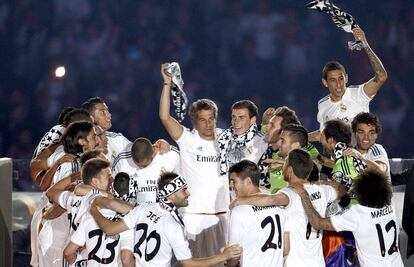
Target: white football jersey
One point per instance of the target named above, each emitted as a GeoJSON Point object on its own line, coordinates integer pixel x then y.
{"type": "Point", "coordinates": [200, 167]}
{"type": "Point", "coordinates": [377, 153]}
{"type": "Point", "coordinates": [259, 231]}
{"type": "Point", "coordinates": [145, 179]}
{"type": "Point", "coordinates": [305, 241]}
{"type": "Point", "coordinates": [117, 143]}
{"type": "Point", "coordinates": [53, 136]}
{"type": "Point", "coordinates": [353, 102]}
{"type": "Point", "coordinates": [101, 249]}
{"type": "Point", "coordinates": [157, 236]}
{"type": "Point", "coordinates": [57, 154]}
{"type": "Point", "coordinates": [253, 150]}
{"type": "Point", "coordinates": [376, 234]}
{"type": "Point", "coordinates": [71, 202]}
{"type": "Point", "coordinates": [66, 169]}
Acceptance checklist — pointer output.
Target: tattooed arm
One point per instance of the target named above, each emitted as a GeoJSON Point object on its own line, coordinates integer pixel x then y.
{"type": "Point", "coordinates": [314, 218]}
{"type": "Point", "coordinates": [374, 84]}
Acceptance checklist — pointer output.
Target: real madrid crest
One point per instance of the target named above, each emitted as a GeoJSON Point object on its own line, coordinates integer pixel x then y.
{"type": "Point", "coordinates": [342, 107]}
{"type": "Point", "coordinates": [250, 149]}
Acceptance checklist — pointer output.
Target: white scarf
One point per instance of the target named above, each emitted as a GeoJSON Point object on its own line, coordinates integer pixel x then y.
{"type": "Point", "coordinates": [228, 141]}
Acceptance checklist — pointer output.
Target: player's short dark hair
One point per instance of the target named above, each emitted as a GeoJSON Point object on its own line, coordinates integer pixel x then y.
{"type": "Point", "coordinates": [63, 113]}
{"type": "Point", "coordinates": [338, 130]}
{"type": "Point", "coordinates": [366, 118]}
{"type": "Point", "coordinates": [141, 149]}
{"type": "Point", "coordinates": [330, 66]}
{"type": "Point", "coordinates": [89, 105]}
{"type": "Point", "coordinates": [289, 116]}
{"type": "Point", "coordinates": [91, 154]}
{"type": "Point", "coordinates": [77, 115]}
{"type": "Point", "coordinates": [249, 105]}
{"type": "Point", "coordinates": [165, 178]}
{"type": "Point", "coordinates": [297, 133]}
{"type": "Point", "coordinates": [246, 168]}
{"type": "Point", "coordinates": [372, 189]}
{"type": "Point", "coordinates": [92, 168]}
{"type": "Point", "coordinates": [121, 183]}
{"type": "Point", "coordinates": [73, 133]}
{"type": "Point", "coordinates": [301, 163]}
{"type": "Point", "coordinates": [201, 104]}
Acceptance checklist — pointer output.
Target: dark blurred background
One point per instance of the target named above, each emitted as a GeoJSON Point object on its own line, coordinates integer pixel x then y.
{"type": "Point", "coordinates": [271, 52]}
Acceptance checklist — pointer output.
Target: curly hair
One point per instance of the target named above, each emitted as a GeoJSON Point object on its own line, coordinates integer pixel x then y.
{"type": "Point", "coordinates": [372, 189]}
{"type": "Point", "coordinates": [366, 118]}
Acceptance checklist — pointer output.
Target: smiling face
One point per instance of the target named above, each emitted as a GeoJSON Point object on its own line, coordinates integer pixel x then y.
{"type": "Point", "coordinates": [366, 135]}
{"type": "Point", "coordinates": [180, 198]}
{"type": "Point", "coordinates": [336, 83]}
{"type": "Point", "coordinates": [241, 121]}
{"type": "Point", "coordinates": [238, 185]}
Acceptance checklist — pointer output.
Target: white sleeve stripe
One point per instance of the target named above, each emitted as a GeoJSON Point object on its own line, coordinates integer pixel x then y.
{"type": "Point", "coordinates": [175, 149]}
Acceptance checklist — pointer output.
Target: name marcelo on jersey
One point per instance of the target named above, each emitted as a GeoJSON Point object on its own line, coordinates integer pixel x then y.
{"type": "Point", "coordinates": [381, 212]}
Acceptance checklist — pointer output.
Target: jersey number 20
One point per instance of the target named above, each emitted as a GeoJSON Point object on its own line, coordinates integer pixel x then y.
{"type": "Point", "coordinates": [144, 237]}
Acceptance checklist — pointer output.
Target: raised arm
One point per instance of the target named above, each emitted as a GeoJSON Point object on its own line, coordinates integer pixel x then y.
{"type": "Point", "coordinates": [262, 200]}
{"type": "Point", "coordinates": [173, 127]}
{"type": "Point", "coordinates": [374, 84]}
{"type": "Point", "coordinates": [232, 252]}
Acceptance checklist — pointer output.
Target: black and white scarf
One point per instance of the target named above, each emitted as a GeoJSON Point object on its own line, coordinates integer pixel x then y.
{"type": "Point", "coordinates": [169, 189]}
{"type": "Point", "coordinates": [342, 19]}
{"type": "Point", "coordinates": [264, 167]}
{"type": "Point", "coordinates": [359, 166]}
{"type": "Point", "coordinates": [228, 141]}
{"type": "Point", "coordinates": [179, 98]}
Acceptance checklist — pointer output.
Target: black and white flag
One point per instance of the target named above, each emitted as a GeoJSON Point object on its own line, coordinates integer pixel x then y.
{"type": "Point", "coordinates": [341, 19]}
{"type": "Point", "coordinates": [179, 98]}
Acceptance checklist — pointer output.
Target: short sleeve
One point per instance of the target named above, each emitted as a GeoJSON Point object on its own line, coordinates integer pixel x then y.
{"type": "Point", "coordinates": [63, 199]}
{"type": "Point", "coordinates": [346, 220]}
{"type": "Point", "coordinates": [359, 95]}
{"type": "Point", "coordinates": [79, 236]}
{"type": "Point", "coordinates": [185, 138]}
{"type": "Point", "coordinates": [130, 219]}
{"type": "Point", "coordinates": [236, 226]}
{"type": "Point", "coordinates": [330, 192]}
{"type": "Point", "coordinates": [126, 240]}
{"type": "Point", "coordinates": [178, 241]}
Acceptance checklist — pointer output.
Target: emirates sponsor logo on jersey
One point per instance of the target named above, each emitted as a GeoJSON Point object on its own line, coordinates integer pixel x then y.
{"type": "Point", "coordinates": [201, 158]}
